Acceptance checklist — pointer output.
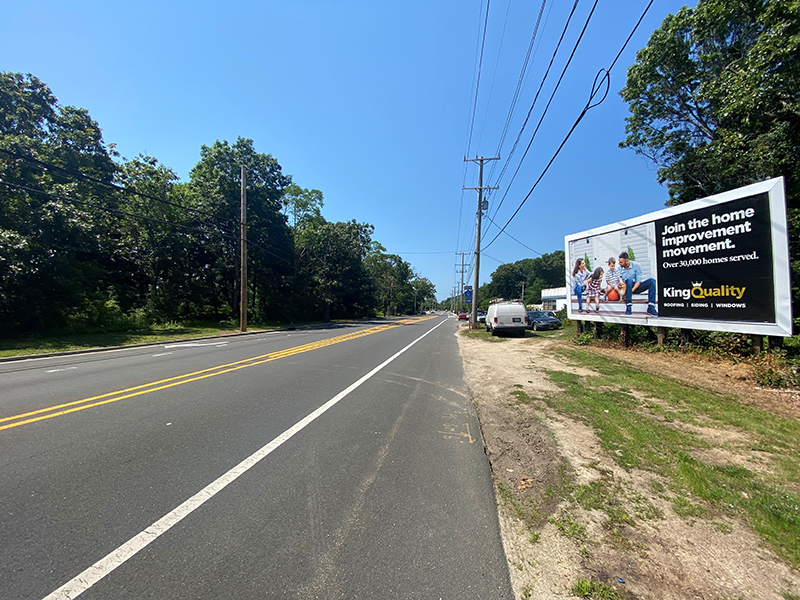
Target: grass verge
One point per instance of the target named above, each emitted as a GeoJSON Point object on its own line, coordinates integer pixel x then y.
{"type": "Point", "coordinates": [657, 424]}
{"type": "Point", "coordinates": [43, 344]}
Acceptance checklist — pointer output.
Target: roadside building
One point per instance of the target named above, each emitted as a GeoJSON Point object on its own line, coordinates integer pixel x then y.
{"type": "Point", "coordinates": [554, 298]}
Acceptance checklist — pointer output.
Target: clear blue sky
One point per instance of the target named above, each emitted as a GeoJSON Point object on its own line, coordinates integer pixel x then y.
{"type": "Point", "coordinates": [369, 102]}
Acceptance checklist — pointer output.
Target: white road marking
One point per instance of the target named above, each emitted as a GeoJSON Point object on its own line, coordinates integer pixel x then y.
{"type": "Point", "coordinates": [64, 369]}
{"type": "Point", "coordinates": [162, 354]}
{"type": "Point", "coordinates": [83, 581]}
{"type": "Point", "coordinates": [193, 345]}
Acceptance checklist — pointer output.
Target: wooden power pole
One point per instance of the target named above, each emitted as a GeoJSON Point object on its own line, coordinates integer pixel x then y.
{"type": "Point", "coordinates": [473, 322]}
{"type": "Point", "coordinates": [243, 256]}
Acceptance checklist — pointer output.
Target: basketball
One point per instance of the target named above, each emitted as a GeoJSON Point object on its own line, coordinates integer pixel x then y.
{"type": "Point", "coordinates": [612, 295]}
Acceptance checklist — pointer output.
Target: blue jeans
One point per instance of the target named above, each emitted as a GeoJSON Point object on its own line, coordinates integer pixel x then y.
{"type": "Point", "coordinates": [579, 291]}
{"type": "Point", "coordinates": [648, 285]}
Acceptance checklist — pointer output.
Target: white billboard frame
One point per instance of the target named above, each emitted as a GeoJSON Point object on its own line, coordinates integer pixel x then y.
{"type": "Point", "coordinates": [782, 325]}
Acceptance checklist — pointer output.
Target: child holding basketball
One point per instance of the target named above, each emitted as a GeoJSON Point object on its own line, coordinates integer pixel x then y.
{"type": "Point", "coordinates": [615, 286]}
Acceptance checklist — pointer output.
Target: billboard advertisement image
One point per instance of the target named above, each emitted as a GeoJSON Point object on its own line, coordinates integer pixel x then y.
{"type": "Point", "coordinates": [720, 263]}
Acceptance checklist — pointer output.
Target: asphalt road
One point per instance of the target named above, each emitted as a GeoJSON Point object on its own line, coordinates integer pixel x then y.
{"type": "Point", "coordinates": [343, 462]}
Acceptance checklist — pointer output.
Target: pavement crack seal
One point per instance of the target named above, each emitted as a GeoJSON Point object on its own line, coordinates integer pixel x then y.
{"type": "Point", "coordinates": [154, 386]}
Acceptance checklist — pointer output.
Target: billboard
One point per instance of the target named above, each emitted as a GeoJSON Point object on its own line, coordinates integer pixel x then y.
{"type": "Point", "coordinates": [719, 263]}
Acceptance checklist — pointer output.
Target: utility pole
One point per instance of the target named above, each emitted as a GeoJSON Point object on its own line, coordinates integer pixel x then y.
{"type": "Point", "coordinates": [523, 292]}
{"type": "Point", "coordinates": [243, 251]}
{"type": "Point", "coordinates": [473, 322]}
{"type": "Point", "coordinates": [461, 287]}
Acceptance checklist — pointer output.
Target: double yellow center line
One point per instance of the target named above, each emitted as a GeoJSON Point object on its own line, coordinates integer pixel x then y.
{"type": "Point", "coordinates": [154, 386]}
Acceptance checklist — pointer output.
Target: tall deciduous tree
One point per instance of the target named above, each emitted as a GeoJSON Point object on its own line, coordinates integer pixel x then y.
{"type": "Point", "coordinates": [715, 102]}
{"type": "Point", "coordinates": [215, 188]}
{"type": "Point", "coordinates": [339, 280]}
{"type": "Point", "coordinates": [54, 251]}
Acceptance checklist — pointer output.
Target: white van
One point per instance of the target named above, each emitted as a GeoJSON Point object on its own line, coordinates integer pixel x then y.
{"type": "Point", "coordinates": [507, 316]}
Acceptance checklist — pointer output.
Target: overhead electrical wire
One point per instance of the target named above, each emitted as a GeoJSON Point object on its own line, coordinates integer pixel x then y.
{"type": "Point", "coordinates": [536, 98]}
{"type": "Point", "coordinates": [478, 82]}
{"type": "Point", "coordinates": [513, 238]}
{"type": "Point", "coordinates": [603, 77]}
{"type": "Point", "coordinates": [471, 120]}
{"type": "Point", "coordinates": [233, 223]}
{"type": "Point", "coordinates": [494, 73]}
{"type": "Point", "coordinates": [136, 216]}
{"type": "Point", "coordinates": [47, 166]}
{"type": "Point", "coordinates": [515, 98]}
{"type": "Point", "coordinates": [477, 79]}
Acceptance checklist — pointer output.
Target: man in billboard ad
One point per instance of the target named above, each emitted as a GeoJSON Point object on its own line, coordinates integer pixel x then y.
{"type": "Point", "coordinates": [635, 283]}
{"type": "Point", "coordinates": [719, 263]}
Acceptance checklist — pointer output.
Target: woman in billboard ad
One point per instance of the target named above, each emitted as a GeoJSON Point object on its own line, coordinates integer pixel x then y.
{"type": "Point", "coordinates": [629, 285]}
{"type": "Point", "coordinates": [579, 276]}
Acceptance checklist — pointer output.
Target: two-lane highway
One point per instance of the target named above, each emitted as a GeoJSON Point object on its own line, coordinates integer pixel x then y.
{"type": "Point", "coordinates": [343, 462]}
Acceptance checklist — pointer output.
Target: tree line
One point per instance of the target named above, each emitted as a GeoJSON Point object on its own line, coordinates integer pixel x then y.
{"type": "Point", "coordinates": [524, 279]}
{"type": "Point", "coordinates": [90, 240]}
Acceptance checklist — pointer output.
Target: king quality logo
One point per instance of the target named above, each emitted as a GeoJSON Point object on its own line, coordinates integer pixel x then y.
{"type": "Point", "coordinates": [698, 292]}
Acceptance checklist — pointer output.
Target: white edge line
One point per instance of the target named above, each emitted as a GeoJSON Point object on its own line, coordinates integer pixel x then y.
{"type": "Point", "coordinates": [82, 582]}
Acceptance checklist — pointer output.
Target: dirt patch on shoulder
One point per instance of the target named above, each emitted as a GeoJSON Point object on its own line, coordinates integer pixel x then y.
{"type": "Point", "coordinates": [723, 377]}
{"type": "Point", "coordinates": [551, 542]}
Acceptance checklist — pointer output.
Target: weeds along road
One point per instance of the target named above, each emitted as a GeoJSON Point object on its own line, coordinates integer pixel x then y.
{"type": "Point", "coordinates": [343, 462]}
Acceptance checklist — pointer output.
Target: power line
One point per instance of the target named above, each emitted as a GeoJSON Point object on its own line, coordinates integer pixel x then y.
{"type": "Point", "coordinates": [536, 98]}
{"type": "Point", "coordinates": [478, 82]}
{"type": "Point", "coordinates": [477, 78]}
{"type": "Point", "coordinates": [493, 258]}
{"type": "Point", "coordinates": [494, 73]}
{"type": "Point", "coordinates": [513, 238]}
{"type": "Point", "coordinates": [133, 215]}
{"type": "Point", "coordinates": [520, 81]}
{"type": "Point", "coordinates": [603, 77]}
{"type": "Point", "coordinates": [443, 252]}
{"type": "Point", "coordinates": [233, 223]}
{"type": "Point", "coordinates": [46, 166]}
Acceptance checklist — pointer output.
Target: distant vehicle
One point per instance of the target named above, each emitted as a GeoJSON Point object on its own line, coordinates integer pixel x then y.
{"type": "Point", "coordinates": [462, 316]}
{"type": "Point", "coordinates": [551, 313]}
{"type": "Point", "coordinates": [539, 320]}
{"type": "Point", "coordinates": [508, 316]}
{"type": "Point", "coordinates": [482, 316]}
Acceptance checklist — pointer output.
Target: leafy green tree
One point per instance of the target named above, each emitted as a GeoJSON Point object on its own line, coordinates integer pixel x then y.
{"type": "Point", "coordinates": [55, 252]}
{"type": "Point", "coordinates": [215, 188]}
{"type": "Point", "coordinates": [539, 273]}
{"type": "Point", "coordinates": [424, 293]}
{"type": "Point", "coordinates": [302, 207]}
{"type": "Point", "coordinates": [714, 103]}
{"type": "Point", "coordinates": [392, 276]}
{"type": "Point", "coordinates": [335, 261]}
{"type": "Point", "coordinates": [162, 252]}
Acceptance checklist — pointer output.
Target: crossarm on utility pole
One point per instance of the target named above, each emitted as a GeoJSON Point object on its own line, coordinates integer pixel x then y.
{"type": "Point", "coordinates": [473, 322]}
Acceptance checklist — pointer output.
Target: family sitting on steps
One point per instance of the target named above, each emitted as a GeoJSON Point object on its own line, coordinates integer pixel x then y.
{"type": "Point", "coordinates": [621, 283]}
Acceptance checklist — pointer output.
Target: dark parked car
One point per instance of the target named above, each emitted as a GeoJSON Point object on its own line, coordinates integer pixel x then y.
{"type": "Point", "coordinates": [539, 320]}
